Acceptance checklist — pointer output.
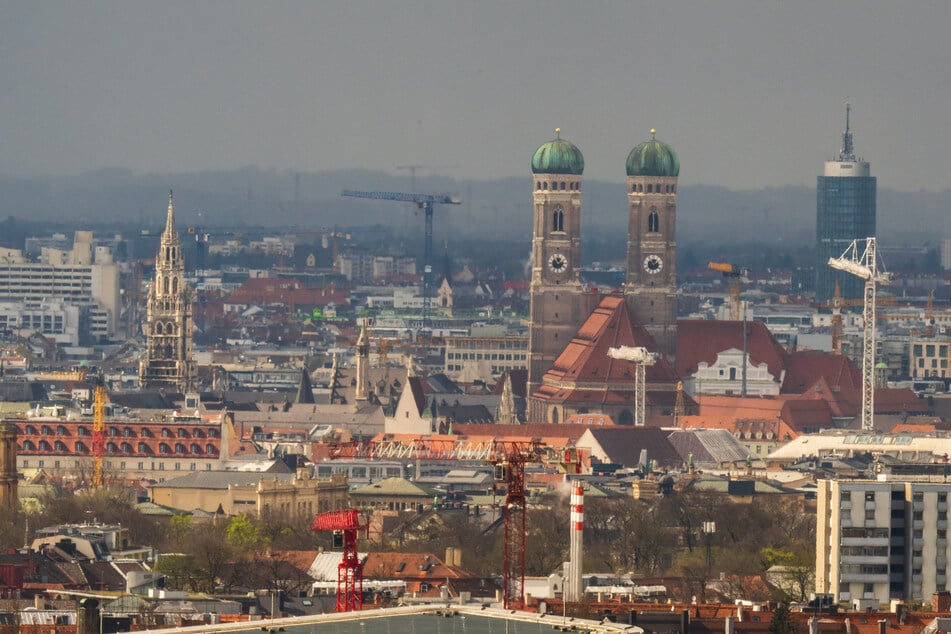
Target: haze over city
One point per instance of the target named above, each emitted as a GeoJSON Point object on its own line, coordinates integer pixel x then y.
{"type": "Point", "coordinates": [751, 94]}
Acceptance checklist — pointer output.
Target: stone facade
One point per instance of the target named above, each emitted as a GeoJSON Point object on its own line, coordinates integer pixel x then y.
{"type": "Point", "coordinates": [168, 362]}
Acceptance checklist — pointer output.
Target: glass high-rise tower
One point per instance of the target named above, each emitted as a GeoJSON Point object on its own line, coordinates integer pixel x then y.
{"type": "Point", "coordinates": [845, 211]}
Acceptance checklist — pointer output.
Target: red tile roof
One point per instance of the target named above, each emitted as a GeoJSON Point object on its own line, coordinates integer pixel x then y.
{"type": "Point", "coordinates": [760, 417]}
{"type": "Point", "coordinates": [584, 373]}
{"type": "Point", "coordinates": [702, 341]}
{"type": "Point", "coordinates": [586, 358]}
{"type": "Point", "coordinates": [803, 369]}
{"type": "Point", "coordinates": [273, 290]}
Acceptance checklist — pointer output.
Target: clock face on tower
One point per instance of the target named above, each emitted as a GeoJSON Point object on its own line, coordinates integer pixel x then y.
{"type": "Point", "coordinates": [653, 264]}
{"type": "Point", "coordinates": [557, 263]}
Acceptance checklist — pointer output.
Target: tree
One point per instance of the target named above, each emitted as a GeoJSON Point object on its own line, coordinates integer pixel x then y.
{"type": "Point", "coordinates": [628, 536]}
{"type": "Point", "coordinates": [782, 622]}
{"type": "Point", "coordinates": [244, 536]}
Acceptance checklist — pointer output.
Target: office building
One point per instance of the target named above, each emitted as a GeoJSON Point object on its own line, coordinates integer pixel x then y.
{"type": "Point", "coordinates": [845, 211]}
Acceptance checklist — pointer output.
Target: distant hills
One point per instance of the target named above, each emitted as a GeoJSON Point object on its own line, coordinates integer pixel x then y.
{"type": "Point", "coordinates": [251, 197]}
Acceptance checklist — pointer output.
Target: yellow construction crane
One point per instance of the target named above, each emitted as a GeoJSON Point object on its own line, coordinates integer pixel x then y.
{"type": "Point", "coordinates": [734, 275]}
{"type": "Point", "coordinates": [98, 433]}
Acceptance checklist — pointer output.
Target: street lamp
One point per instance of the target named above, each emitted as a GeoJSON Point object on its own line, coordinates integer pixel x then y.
{"type": "Point", "coordinates": [708, 529]}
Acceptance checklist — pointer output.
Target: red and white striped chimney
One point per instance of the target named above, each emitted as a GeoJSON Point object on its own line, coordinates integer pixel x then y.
{"type": "Point", "coordinates": [573, 590]}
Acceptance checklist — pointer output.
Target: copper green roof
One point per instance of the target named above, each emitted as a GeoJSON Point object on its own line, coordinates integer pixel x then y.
{"type": "Point", "coordinates": [558, 156]}
{"type": "Point", "coordinates": [653, 158]}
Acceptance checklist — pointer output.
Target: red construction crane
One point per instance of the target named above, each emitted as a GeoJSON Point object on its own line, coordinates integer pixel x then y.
{"type": "Point", "coordinates": [346, 524]}
{"type": "Point", "coordinates": [509, 459]}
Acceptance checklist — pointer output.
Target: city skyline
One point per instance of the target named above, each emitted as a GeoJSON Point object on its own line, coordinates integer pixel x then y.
{"type": "Point", "coordinates": [752, 93]}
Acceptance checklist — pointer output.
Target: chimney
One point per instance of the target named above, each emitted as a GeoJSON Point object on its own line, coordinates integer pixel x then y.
{"type": "Point", "coordinates": [728, 628]}
{"type": "Point", "coordinates": [882, 625]}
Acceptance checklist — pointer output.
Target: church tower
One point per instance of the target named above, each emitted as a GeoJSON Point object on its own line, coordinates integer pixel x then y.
{"type": "Point", "coordinates": [168, 362]}
{"type": "Point", "coordinates": [363, 364]}
{"type": "Point", "coordinates": [556, 290]}
{"type": "Point", "coordinates": [651, 288]}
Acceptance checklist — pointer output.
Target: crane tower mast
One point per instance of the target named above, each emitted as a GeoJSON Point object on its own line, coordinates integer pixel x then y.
{"type": "Point", "coordinates": [863, 264]}
{"type": "Point", "coordinates": [426, 203]}
{"type": "Point", "coordinates": [509, 459]}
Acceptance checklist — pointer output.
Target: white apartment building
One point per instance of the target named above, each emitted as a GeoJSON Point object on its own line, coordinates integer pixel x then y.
{"type": "Point", "coordinates": [73, 278]}
{"type": "Point", "coordinates": [882, 539]}
{"type": "Point", "coordinates": [469, 358]}
{"type": "Point", "coordinates": [55, 319]}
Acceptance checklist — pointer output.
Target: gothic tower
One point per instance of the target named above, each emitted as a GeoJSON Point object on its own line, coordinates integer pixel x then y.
{"type": "Point", "coordinates": [363, 364]}
{"type": "Point", "coordinates": [651, 288]}
{"type": "Point", "coordinates": [556, 290]}
{"type": "Point", "coordinates": [168, 362]}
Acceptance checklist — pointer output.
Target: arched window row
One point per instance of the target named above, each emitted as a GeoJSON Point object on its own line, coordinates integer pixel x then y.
{"type": "Point", "coordinates": [558, 219]}
{"type": "Point", "coordinates": [557, 186]}
{"type": "Point", "coordinates": [659, 188]}
{"type": "Point", "coordinates": [163, 328]}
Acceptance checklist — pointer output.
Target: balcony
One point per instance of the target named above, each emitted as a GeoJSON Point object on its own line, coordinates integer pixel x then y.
{"type": "Point", "coordinates": [860, 577]}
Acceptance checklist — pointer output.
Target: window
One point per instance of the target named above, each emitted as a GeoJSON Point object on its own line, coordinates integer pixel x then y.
{"type": "Point", "coordinates": [558, 219]}
{"type": "Point", "coordinates": [653, 221]}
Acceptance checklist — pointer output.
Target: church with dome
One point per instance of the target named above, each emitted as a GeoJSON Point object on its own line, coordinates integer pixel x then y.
{"type": "Point", "coordinates": [571, 326]}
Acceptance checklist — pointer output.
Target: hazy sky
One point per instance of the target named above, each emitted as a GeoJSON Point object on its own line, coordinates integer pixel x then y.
{"type": "Point", "coordinates": [751, 94]}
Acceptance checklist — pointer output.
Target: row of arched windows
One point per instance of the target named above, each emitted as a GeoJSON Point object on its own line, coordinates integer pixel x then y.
{"type": "Point", "coordinates": [659, 188]}
{"type": "Point", "coordinates": [121, 448]}
{"type": "Point", "coordinates": [114, 431]}
{"type": "Point", "coordinates": [559, 186]}
{"type": "Point", "coordinates": [174, 286]}
{"type": "Point", "coordinates": [171, 253]}
{"type": "Point", "coordinates": [161, 328]}
{"type": "Point", "coordinates": [558, 219]}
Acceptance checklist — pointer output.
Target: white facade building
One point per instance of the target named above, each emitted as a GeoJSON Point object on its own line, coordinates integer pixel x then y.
{"type": "Point", "coordinates": [92, 286]}
{"type": "Point", "coordinates": [725, 376]}
{"type": "Point", "coordinates": [882, 540]}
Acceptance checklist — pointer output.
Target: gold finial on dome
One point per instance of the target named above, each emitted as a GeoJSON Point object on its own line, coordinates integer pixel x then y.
{"type": "Point", "coordinates": [653, 132]}
{"type": "Point", "coordinates": [558, 132]}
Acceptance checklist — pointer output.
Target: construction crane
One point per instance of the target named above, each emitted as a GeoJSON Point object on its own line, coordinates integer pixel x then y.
{"type": "Point", "coordinates": [734, 275]}
{"type": "Point", "coordinates": [346, 525]}
{"type": "Point", "coordinates": [98, 431]}
{"type": "Point", "coordinates": [837, 304]}
{"type": "Point", "coordinates": [863, 264]}
{"type": "Point", "coordinates": [641, 358]}
{"type": "Point", "coordinates": [508, 459]}
{"type": "Point", "coordinates": [426, 203]}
